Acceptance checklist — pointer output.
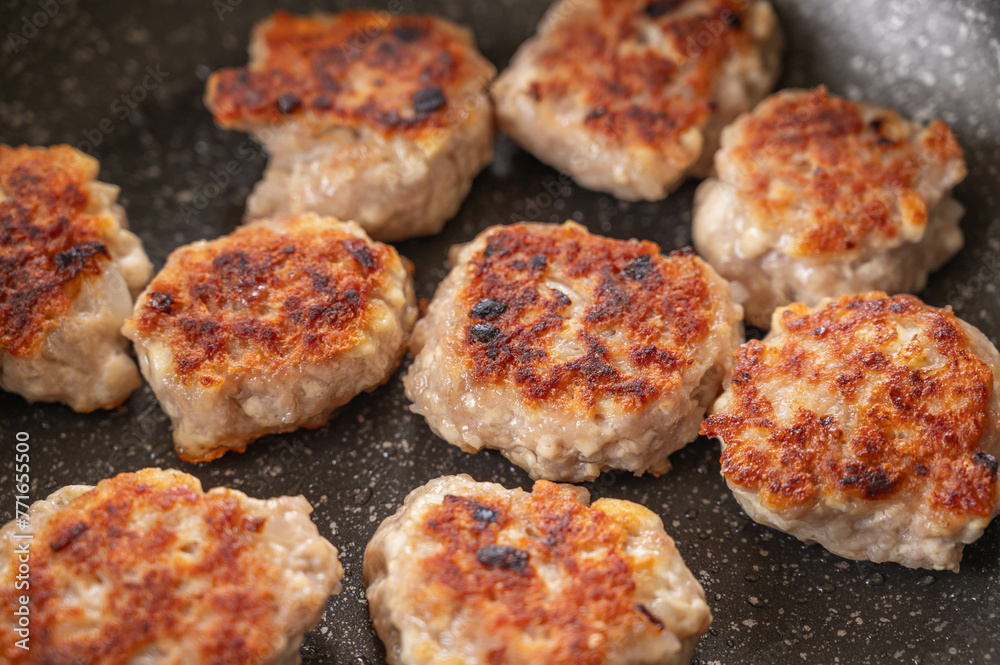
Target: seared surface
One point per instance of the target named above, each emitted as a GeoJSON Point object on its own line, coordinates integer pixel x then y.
{"type": "Point", "coordinates": [570, 352]}
{"type": "Point", "coordinates": [833, 175]}
{"type": "Point", "coordinates": [605, 81]}
{"type": "Point", "coordinates": [68, 269]}
{"type": "Point", "coordinates": [146, 568]}
{"type": "Point", "coordinates": [658, 309]}
{"type": "Point", "coordinates": [818, 196]}
{"type": "Point", "coordinates": [377, 118]}
{"type": "Point", "coordinates": [264, 297]}
{"type": "Point", "coordinates": [50, 240]}
{"type": "Point", "coordinates": [394, 74]}
{"type": "Point", "coordinates": [473, 571]}
{"type": "Point", "coordinates": [270, 328]}
{"type": "Point", "coordinates": [868, 401]}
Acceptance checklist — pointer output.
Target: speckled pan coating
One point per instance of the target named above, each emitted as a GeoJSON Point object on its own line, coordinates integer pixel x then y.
{"type": "Point", "coordinates": [182, 180]}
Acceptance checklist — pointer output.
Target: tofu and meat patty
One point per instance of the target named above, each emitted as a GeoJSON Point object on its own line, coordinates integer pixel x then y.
{"type": "Point", "coordinates": [629, 96]}
{"type": "Point", "coordinates": [818, 196]}
{"type": "Point", "coordinates": [269, 329]}
{"type": "Point", "coordinates": [572, 353]}
{"type": "Point", "coordinates": [870, 425]}
{"type": "Point", "coordinates": [69, 269]}
{"type": "Point", "coordinates": [147, 569]}
{"type": "Point", "coordinates": [381, 119]}
{"type": "Point", "coordinates": [472, 573]}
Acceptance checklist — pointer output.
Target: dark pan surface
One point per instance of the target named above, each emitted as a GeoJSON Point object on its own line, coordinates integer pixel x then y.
{"type": "Point", "coordinates": [774, 600]}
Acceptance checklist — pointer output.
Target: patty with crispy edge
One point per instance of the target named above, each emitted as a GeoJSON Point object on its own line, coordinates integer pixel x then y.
{"type": "Point", "coordinates": [475, 573]}
{"type": "Point", "coordinates": [869, 424]}
{"type": "Point", "coordinates": [572, 353]}
{"type": "Point", "coordinates": [367, 116]}
{"type": "Point", "coordinates": [270, 328]}
{"type": "Point", "coordinates": [629, 96]}
{"type": "Point", "coordinates": [147, 568]}
{"type": "Point", "coordinates": [69, 269]}
{"type": "Point", "coordinates": [818, 196]}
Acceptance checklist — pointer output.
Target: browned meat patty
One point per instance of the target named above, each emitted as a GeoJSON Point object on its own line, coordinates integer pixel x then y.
{"type": "Point", "coordinates": [477, 574]}
{"type": "Point", "coordinates": [379, 119]}
{"type": "Point", "coordinates": [269, 329]}
{"type": "Point", "coordinates": [869, 424]}
{"type": "Point", "coordinates": [69, 269]}
{"type": "Point", "coordinates": [819, 197]}
{"type": "Point", "coordinates": [147, 569]}
{"type": "Point", "coordinates": [572, 353]}
{"type": "Point", "coordinates": [629, 96]}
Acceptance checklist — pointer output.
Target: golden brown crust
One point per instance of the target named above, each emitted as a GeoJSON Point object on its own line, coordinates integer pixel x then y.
{"type": "Point", "coordinates": [125, 536]}
{"type": "Point", "coordinates": [636, 91]}
{"type": "Point", "coordinates": [831, 174]}
{"type": "Point", "coordinates": [264, 297]}
{"type": "Point", "coordinates": [913, 429]}
{"type": "Point", "coordinates": [662, 306]}
{"type": "Point", "coordinates": [48, 242]}
{"type": "Point", "coordinates": [582, 543]}
{"type": "Point", "coordinates": [395, 74]}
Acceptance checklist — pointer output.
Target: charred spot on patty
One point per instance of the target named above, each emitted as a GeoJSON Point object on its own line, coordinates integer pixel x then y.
{"type": "Point", "coordinates": [631, 288]}
{"type": "Point", "coordinates": [502, 556]}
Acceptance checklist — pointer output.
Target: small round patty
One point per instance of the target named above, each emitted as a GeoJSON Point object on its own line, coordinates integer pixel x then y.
{"type": "Point", "coordinates": [572, 353]}
{"type": "Point", "coordinates": [380, 118]}
{"type": "Point", "coordinates": [147, 568]}
{"type": "Point", "coordinates": [869, 424]}
{"type": "Point", "coordinates": [69, 269]}
{"type": "Point", "coordinates": [475, 573]}
{"type": "Point", "coordinates": [629, 96]}
{"type": "Point", "coordinates": [270, 328]}
{"type": "Point", "coordinates": [818, 196]}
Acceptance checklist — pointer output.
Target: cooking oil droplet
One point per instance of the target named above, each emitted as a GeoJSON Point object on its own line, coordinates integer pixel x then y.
{"type": "Point", "coordinates": [826, 588]}
{"type": "Point", "coordinates": [755, 601]}
{"type": "Point", "coordinates": [750, 577]}
{"type": "Point", "coordinates": [691, 514]}
{"type": "Point", "coordinates": [875, 579]}
{"type": "Point", "coordinates": [926, 580]}
{"type": "Point", "coordinates": [363, 495]}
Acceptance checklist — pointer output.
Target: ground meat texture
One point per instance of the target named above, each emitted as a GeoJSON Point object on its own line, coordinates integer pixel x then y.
{"type": "Point", "coordinates": [869, 424]}
{"type": "Point", "coordinates": [269, 329]}
{"type": "Point", "coordinates": [475, 573]}
{"type": "Point", "coordinates": [572, 353]}
{"type": "Point", "coordinates": [629, 96]}
{"type": "Point", "coordinates": [147, 568]}
{"type": "Point", "coordinates": [817, 196]}
{"type": "Point", "coordinates": [69, 269]}
{"type": "Point", "coordinates": [377, 118]}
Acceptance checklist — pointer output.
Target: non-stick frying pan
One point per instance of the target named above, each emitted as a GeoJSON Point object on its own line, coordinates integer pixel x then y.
{"type": "Point", "coordinates": [124, 80]}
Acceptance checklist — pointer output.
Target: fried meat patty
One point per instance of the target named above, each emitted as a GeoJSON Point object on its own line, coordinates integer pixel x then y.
{"type": "Point", "coordinates": [269, 329]}
{"type": "Point", "coordinates": [381, 119]}
{"type": "Point", "coordinates": [869, 424]}
{"type": "Point", "coordinates": [819, 197]}
{"type": "Point", "coordinates": [472, 573]}
{"type": "Point", "coordinates": [147, 569]}
{"type": "Point", "coordinates": [629, 96]}
{"type": "Point", "coordinates": [69, 269]}
{"type": "Point", "coordinates": [572, 353]}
